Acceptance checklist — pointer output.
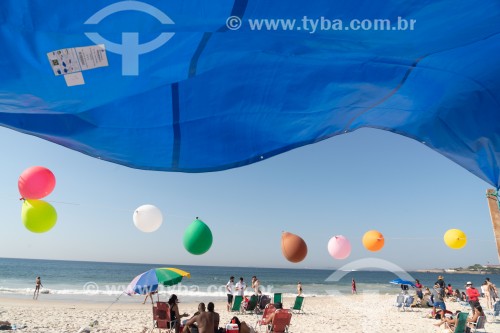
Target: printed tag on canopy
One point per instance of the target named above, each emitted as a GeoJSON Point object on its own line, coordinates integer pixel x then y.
{"type": "Point", "coordinates": [71, 60]}
{"type": "Point", "coordinates": [74, 79]}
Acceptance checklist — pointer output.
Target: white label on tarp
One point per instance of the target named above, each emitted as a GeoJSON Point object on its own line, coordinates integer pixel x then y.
{"type": "Point", "coordinates": [76, 59]}
{"type": "Point", "coordinates": [64, 61]}
{"type": "Point", "coordinates": [74, 79]}
{"type": "Point", "coordinates": [91, 57]}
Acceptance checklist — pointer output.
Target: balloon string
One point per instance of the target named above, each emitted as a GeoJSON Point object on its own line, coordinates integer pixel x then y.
{"type": "Point", "coordinates": [96, 321]}
{"type": "Point", "coordinates": [108, 208]}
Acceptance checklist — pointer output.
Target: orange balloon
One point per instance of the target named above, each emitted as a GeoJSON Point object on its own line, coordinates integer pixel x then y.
{"type": "Point", "coordinates": [293, 247]}
{"type": "Point", "coordinates": [373, 240]}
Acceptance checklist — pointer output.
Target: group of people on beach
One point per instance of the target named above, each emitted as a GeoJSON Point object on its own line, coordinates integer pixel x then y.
{"type": "Point", "coordinates": [205, 320]}
{"type": "Point", "coordinates": [239, 289]}
{"type": "Point", "coordinates": [440, 293]}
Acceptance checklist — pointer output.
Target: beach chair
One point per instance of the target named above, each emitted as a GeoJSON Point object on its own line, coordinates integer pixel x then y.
{"type": "Point", "coordinates": [161, 318]}
{"type": "Point", "coordinates": [281, 321]}
{"type": "Point", "coordinates": [496, 309]}
{"type": "Point", "coordinates": [407, 303]}
{"type": "Point", "coordinates": [267, 312]}
{"type": "Point", "coordinates": [461, 323]}
{"type": "Point", "coordinates": [252, 304]}
{"type": "Point", "coordinates": [277, 298]}
{"type": "Point", "coordinates": [400, 299]}
{"type": "Point", "coordinates": [237, 303]}
{"type": "Point", "coordinates": [264, 301]}
{"type": "Point", "coordinates": [298, 306]}
{"type": "Point", "coordinates": [479, 324]}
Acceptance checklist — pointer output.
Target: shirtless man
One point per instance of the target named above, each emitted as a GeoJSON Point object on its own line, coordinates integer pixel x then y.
{"type": "Point", "coordinates": [204, 321]}
{"type": "Point", "coordinates": [215, 316]}
{"type": "Point", "coordinates": [255, 285]}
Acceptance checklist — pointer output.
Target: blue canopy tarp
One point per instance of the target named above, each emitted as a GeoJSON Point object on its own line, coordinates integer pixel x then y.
{"type": "Point", "coordinates": [182, 91]}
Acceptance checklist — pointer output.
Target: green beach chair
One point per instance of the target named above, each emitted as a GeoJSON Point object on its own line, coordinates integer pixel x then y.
{"type": "Point", "coordinates": [298, 306]}
{"type": "Point", "coordinates": [237, 303]}
{"type": "Point", "coordinates": [461, 323]}
{"type": "Point", "coordinates": [252, 304]}
{"type": "Point", "coordinates": [277, 298]}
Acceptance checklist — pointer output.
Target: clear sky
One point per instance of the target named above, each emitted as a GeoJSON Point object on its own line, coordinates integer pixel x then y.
{"type": "Point", "coordinates": [347, 185]}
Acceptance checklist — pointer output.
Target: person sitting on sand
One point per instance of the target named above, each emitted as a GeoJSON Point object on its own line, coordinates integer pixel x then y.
{"type": "Point", "coordinates": [449, 318]}
{"type": "Point", "coordinates": [215, 316]}
{"type": "Point", "coordinates": [204, 321]}
{"type": "Point", "coordinates": [174, 311]}
{"type": "Point", "coordinates": [449, 290]}
{"type": "Point", "coordinates": [478, 312]}
{"type": "Point", "coordinates": [5, 326]}
{"type": "Point", "coordinates": [243, 327]}
{"type": "Point", "coordinates": [269, 320]}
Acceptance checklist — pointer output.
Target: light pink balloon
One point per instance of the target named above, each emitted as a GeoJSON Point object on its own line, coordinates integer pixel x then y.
{"type": "Point", "coordinates": [339, 247]}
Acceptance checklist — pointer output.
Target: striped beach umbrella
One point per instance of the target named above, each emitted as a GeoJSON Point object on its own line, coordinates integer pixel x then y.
{"type": "Point", "coordinates": [149, 281]}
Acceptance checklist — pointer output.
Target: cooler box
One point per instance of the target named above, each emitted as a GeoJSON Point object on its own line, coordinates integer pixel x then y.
{"type": "Point", "coordinates": [232, 328]}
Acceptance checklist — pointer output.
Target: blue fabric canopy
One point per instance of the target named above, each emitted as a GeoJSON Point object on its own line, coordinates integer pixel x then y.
{"type": "Point", "coordinates": [195, 86]}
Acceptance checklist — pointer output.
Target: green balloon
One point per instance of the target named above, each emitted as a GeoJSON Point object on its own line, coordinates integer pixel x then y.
{"type": "Point", "coordinates": [197, 237]}
{"type": "Point", "coordinates": [38, 216]}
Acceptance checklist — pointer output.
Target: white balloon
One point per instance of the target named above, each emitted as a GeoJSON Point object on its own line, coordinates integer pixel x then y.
{"type": "Point", "coordinates": [148, 218]}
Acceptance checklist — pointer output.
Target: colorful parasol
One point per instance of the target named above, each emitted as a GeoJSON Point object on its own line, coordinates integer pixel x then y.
{"type": "Point", "coordinates": [149, 281]}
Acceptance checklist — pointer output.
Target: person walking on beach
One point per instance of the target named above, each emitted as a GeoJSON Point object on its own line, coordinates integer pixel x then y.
{"type": "Point", "coordinates": [299, 288]}
{"type": "Point", "coordinates": [493, 290]}
{"type": "Point", "coordinates": [38, 284]}
{"type": "Point", "coordinates": [353, 286]}
{"type": "Point", "coordinates": [230, 292]}
{"type": "Point", "coordinates": [487, 295]}
{"type": "Point", "coordinates": [240, 287]}
{"type": "Point", "coordinates": [150, 295]}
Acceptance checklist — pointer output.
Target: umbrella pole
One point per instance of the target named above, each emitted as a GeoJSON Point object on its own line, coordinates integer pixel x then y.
{"type": "Point", "coordinates": [491, 194]}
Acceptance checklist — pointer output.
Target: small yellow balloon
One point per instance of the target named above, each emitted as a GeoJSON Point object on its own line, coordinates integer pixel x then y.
{"type": "Point", "coordinates": [455, 239]}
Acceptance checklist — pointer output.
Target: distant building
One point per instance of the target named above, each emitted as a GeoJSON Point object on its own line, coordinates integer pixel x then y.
{"type": "Point", "coordinates": [492, 266]}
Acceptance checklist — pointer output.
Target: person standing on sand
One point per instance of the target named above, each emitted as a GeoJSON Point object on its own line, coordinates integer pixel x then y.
{"type": "Point", "coordinates": [353, 286]}
{"type": "Point", "coordinates": [38, 284]}
{"type": "Point", "coordinates": [473, 295]}
{"type": "Point", "coordinates": [240, 287]}
{"type": "Point", "coordinates": [230, 292]}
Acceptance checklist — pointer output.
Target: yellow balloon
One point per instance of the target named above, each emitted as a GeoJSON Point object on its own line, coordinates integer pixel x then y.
{"type": "Point", "coordinates": [455, 239]}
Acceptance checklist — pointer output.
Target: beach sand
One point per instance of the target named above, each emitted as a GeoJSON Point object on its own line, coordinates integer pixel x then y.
{"type": "Point", "coordinates": [350, 313]}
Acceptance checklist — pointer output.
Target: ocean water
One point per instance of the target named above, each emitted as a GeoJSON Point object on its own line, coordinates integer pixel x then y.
{"type": "Point", "coordinates": [104, 282]}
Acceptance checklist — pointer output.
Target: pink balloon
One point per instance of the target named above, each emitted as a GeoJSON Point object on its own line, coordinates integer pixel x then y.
{"type": "Point", "coordinates": [36, 182]}
{"type": "Point", "coordinates": [339, 247]}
